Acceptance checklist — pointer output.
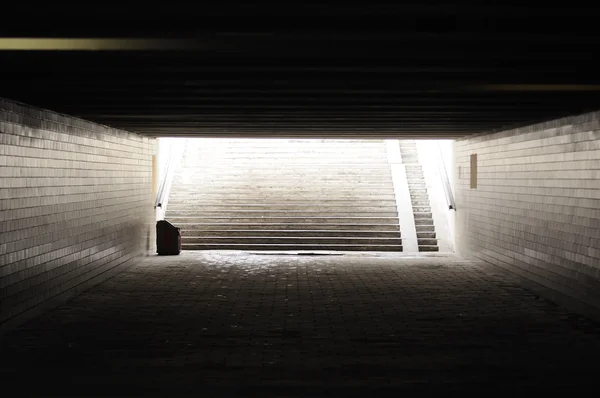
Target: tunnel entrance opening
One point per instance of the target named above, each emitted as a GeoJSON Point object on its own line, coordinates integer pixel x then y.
{"type": "Point", "coordinates": [308, 196]}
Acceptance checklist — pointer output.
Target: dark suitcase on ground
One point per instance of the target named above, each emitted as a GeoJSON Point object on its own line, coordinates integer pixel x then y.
{"type": "Point", "coordinates": [168, 238]}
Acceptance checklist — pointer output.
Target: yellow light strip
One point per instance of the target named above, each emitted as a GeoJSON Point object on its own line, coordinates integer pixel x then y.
{"type": "Point", "coordinates": [110, 44]}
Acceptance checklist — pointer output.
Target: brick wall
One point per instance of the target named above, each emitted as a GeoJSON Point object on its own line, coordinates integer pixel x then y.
{"type": "Point", "coordinates": [75, 205]}
{"type": "Point", "coordinates": [536, 208]}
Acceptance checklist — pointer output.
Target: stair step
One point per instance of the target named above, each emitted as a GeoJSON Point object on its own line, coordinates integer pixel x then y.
{"type": "Point", "coordinates": [301, 187]}
{"type": "Point", "coordinates": [325, 172]}
{"type": "Point", "coordinates": [284, 159]}
{"type": "Point", "coordinates": [295, 247]}
{"type": "Point", "coordinates": [363, 155]}
{"type": "Point", "coordinates": [421, 209]}
{"type": "Point", "coordinates": [304, 197]}
{"type": "Point", "coordinates": [278, 167]}
{"type": "Point", "coordinates": [322, 175]}
{"type": "Point", "coordinates": [293, 202]}
{"type": "Point", "coordinates": [287, 220]}
{"type": "Point", "coordinates": [202, 198]}
{"type": "Point", "coordinates": [316, 194]}
{"type": "Point", "coordinates": [300, 150]}
{"type": "Point", "coordinates": [290, 240]}
{"type": "Point", "coordinates": [290, 150]}
{"type": "Point", "coordinates": [423, 221]}
{"type": "Point", "coordinates": [331, 233]}
{"type": "Point", "coordinates": [256, 183]}
{"type": "Point", "coordinates": [343, 154]}
{"type": "Point", "coordinates": [200, 206]}
{"type": "Point", "coordinates": [204, 226]}
{"type": "Point", "coordinates": [271, 179]}
{"type": "Point", "coordinates": [422, 215]}
{"type": "Point", "coordinates": [427, 242]}
{"type": "Point", "coordinates": [424, 228]}
{"type": "Point", "coordinates": [427, 248]}
{"type": "Point", "coordinates": [426, 235]}
{"type": "Point", "coordinates": [274, 213]}
{"type": "Point", "coordinates": [249, 187]}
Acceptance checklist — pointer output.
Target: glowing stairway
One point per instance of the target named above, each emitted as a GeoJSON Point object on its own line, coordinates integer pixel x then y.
{"type": "Point", "coordinates": [426, 235]}
{"type": "Point", "coordinates": [250, 194]}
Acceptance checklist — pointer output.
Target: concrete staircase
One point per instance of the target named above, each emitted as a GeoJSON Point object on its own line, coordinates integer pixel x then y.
{"type": "Point", "coordinates": [296, 195]}
{"type": "Point", "coordinates": [421, 207]}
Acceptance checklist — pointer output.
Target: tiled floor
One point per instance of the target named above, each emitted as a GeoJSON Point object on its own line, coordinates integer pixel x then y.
{"type": "Point", "coordinates": [237, 324]}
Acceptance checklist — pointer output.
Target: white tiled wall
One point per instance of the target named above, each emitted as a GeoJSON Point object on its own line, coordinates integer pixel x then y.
{"type": "Point", "coordinates": [75, 204]}
{"type": "Point", "coordinates": [536, 208]}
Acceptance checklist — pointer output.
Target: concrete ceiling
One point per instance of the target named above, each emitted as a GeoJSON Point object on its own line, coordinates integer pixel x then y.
{"type": "Point", "coordinates": [311, 70]}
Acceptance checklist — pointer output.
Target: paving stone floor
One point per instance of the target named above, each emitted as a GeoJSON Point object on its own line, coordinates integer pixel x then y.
{"type": "Point", "coordinates": [239, 324]}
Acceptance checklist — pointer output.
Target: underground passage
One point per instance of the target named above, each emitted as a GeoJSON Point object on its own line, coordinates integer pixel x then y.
{"type": "Point", "coordinates": [299, 201]}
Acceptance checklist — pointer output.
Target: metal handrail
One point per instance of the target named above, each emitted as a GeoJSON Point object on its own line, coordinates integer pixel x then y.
{"type": "Point", "coordinates": [162, 188]}
{"type": "Point", "coordinates": [445, 180]}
